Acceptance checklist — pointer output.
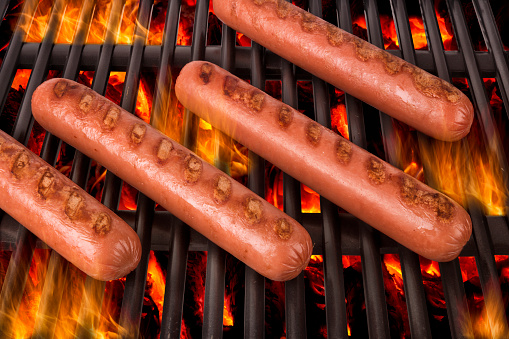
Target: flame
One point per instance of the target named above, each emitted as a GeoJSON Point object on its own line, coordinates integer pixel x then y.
{"type": "Point", "coordinates": [69, 22]}
{"type": "Point", "coordinates": [21, 78]}
{"type": "Point", "coordinates": [339, 120]}
{"type": "Point", "coordinates": [310, 200]}
{"type": "Point", "coordinates": [487, 311]}
{"type": "Point", "coordinates": [156, 282]}
{"type": "Point", "coordinates": [99, 22]}
{"type": "Point", "coordinates": [227, 313]}
{"type": "Point", "coordinates": [455, 174]}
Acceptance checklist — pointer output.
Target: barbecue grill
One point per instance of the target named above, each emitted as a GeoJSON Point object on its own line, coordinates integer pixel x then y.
{"type": "Point", "coordinates": [334, 232]}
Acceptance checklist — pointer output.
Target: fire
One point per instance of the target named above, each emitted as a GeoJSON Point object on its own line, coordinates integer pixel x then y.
{"type": "Point", "coordinates": [69, 22]}
{"type": "Point", "coordinates": [106, 311]}
{"type": "Point", "coordinates": [156, 282]}
{"type": "Point", "coordinates": [310, 200]}
{"type": "Point", "coordinates": [21, 78]}
{"type": "Point", "coordinates": [416, 27]}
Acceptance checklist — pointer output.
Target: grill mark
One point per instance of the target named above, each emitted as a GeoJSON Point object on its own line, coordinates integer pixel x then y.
{"type": "Point", "coordinates": [253, 99]}
{"type": "Point", "coordinates": [343, 151]}
{"type": "Point", "coordinates": [73, 205]}
{"type": "Point", "coordinates": [411, 194]}
{"type": "Point", "coordinates": [425, 83]}
{"type": "Point", "coordinates": [313, 133]}
{"type": "Point", "coordinates": [164, 150]}
{"type": "Point", "coordinates": [20, 164]}
{"type": "Point", "coordinates": [138, 133]}
{"type": "Point", "coordinates": [111, 117]}
{"type": "Point", "coordinates": [222, 189]}
{"type": "Point", "coordinates": [376, 170]}
{"type": "Point", "coordinates": [283, 229]}
{"type": "Point", "coordinates": [253, 210]}
{"type": "Point", "coordinates": [285, 116]}
{"type": "Point", "coordinates": [85, 102]}
{"type": "Point", "coordinates": [60, 88]}
{"type": "Point", "coordinates": [102, 224]}
{"type": "Point", "coordinates": [193, 170]}
{"type": "Point", "coordinates": [257, 100]}
{"type": "Point", "coordinates": [206, 72]}
{"type": "Point", "coordinates": [45, 184]}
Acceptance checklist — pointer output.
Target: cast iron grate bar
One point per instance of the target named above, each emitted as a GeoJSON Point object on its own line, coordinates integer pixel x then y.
{"type": "Point", "coordinates": [19, 264]}
{"type": "Point", "coordinates": [93, 290]}
{"type": "Point", "coordinates": [485, 254]}
{"type": "Point", "coordinates": [56, 276]}
{"type": "Point", "coordinates": [179, 240]}
{"type": "Point", "coordinates": [10, 62]}
{"type": "Point", "coordinates": [295, 305]}
{"type": "Point", "coordinates": [134, 292]}
{"type": "Point", "coordinates": [454, 290]}
{"type": "Point", "coordinates": [181, 233]}
{"type": "Point", "coordinates": [410, 266]}
{"type": "Point", "coordinates": [373, 286]}
{"type": "Point", "coordinates": [4, 6]}
{"type": "Point", "coordinates": [254, 301]}
{"type": "Point", "coordinates": [216, 267]}
{"type": "Point", "coordinates": [495, 47]}
{"type": "Point", "coordinates": [376, 306]}
{"type": "Point", "coordinates": [332, 257]}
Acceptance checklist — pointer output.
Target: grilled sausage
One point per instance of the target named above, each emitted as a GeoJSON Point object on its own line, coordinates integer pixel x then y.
{"type": "Point", "coordinates": [196, 192]}
{"type": "Point", "coordinates": [64, 216]}
{"type": "Point", "coordinates": [395, 203]}
{"type": "Point", "coordinates": [373, 75]}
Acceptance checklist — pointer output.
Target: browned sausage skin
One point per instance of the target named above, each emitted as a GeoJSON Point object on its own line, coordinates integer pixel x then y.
{"type": "Point", "coordinates": [207, 199]}
{"type": "Point", "coordinates": [395, 203]}
{"type": "Point", "coordinates": [375, 76]}
{"type": "Point", "coordinates": [64, 216]}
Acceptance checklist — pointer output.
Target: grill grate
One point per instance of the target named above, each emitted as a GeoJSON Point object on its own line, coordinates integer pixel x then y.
{"type": "Point", "coordinates": [334, 234]}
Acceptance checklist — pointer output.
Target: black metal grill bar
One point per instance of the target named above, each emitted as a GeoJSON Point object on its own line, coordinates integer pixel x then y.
{"type": "Point", "coordinates": [19, 265]}
{"type": "Point", "coordinates": [134, 292]}
{"type": "Point", "coordinates": [179, 240]}
{"type": "Point", "coordinates": [4, 6]}
{"type": "Point", "coordinates": [485, 260]}
{"type": "Point", "coordinates": [254, 302]}
{"type": "Point", "coordinates": [14, 50]}
{"type": "Point", "coordinates": [370, 252]}
{"type": "Point", "coordinates": [152, 59]}
{"type": "Point", "coordinates": [410, 266]}
{"type": "Point", "coordinates": [294, 289]}
{"type": "Point", "coordinates": [332, 263]}
{"type": "Point", "coordinates": [454, 290]}
{"type": "Point", "coordinates": [495, 46]}
{"type": "Point", "coordinates": [216, 267]}
{"type": "Point", "coordinates": [56, 276]}
{"type": "Point", "coordinates": [478, 90]}
{"type": "Point", "coordinates": [93, 291]}
{"type": "Point", "coordinates": [376, 306]}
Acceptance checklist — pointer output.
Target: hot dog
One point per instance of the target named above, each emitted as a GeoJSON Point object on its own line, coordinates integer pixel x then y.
{"type": "Point", "coordinates": [199, 194]}
{"type": "Point", "coordinates": [63, 215]}
{"type": "Point", "coordinates": [395, 203]}
{"type": "Point", "coordinates": [386, 82]}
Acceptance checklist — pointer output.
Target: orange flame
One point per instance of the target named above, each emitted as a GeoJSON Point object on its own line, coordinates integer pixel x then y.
{"type": "Point", "coordinates": [416, 27]}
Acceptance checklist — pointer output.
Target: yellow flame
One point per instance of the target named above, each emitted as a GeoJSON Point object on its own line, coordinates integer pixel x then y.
{"type": "Point", "coordinates": [490, 322]}
{"type": "Point", "coordinates": [227, 314]}
{"type": "Point", "coordinates": [69, 22]}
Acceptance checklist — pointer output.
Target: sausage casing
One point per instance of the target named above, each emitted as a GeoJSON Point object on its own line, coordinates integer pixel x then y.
{"type": "Point", "coordinates": [63, 215]}
{"type": "Point", "coordinates": [214, 204]}
{"type": "Point", "coordinates": [405, 209]}
{"type": "Point", "coordinates": [388, 83]}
